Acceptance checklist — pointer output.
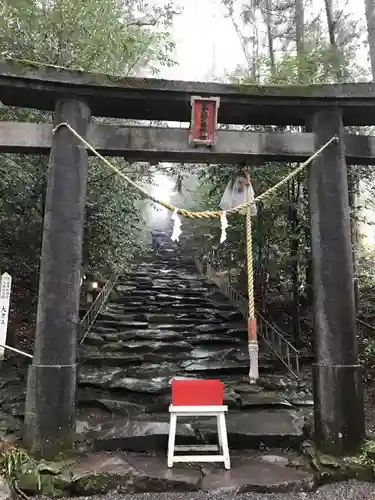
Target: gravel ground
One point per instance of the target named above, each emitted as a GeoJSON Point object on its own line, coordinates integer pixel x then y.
{"type": "Point", "coordinates": [343, 491]}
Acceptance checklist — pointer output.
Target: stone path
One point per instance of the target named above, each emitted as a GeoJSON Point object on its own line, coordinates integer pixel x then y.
{"type": "Point", "coordinates": [166, 322]}
{"type": "Point", "coordinates": [137, 473]}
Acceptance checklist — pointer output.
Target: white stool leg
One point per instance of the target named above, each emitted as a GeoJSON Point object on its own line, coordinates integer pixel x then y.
{"type": "Point", "coordinates": [224, 440]}
{"type": "Point", "coordinates": [171, 439]}
{"type": "Point", "coordinates": [220, 437]}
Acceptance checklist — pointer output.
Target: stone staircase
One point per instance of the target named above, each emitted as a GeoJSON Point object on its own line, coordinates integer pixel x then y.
{"type": "Point", "coordinates": [164, 321]}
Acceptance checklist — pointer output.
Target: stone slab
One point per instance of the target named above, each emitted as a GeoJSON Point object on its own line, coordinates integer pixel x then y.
{"type": "Point", "coordinates": [264, 399]}
{"type": "Point", "coordinates": [153, 475]}
{"type": "Point", "coordinates": [256, 429]}
{"type": "Point", "coordinates": [255, 475]}
{"type": "Point", "coordinates": [139, 436]}
{"type": "Point", "coordinates": [246, 430]}
{"type": "Point", "coordinates": [5, 490]}
{"type": "Point", "coordinates": [100, 473]}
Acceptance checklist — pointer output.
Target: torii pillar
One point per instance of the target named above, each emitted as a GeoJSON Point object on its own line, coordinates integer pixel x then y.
{"type": "Point", "coordinates": [338, 387]}
{"type": "Point", "coordinates": [51, 385]}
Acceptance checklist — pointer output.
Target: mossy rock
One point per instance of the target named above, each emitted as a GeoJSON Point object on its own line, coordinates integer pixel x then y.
{"type": "Point", "coordinates": [100, 484]}
{"type": "Point", "coordinates": [331, 469]}
{"type": "Point", "coordinates": [358, 472]}
{"type": "Point", "coordinates": [299, 463]}
{"type": "Point", "coordinates": [329, 461]}
{"type": "Point", "coordinates": [46, 478]}
{"type": "Point", "coordinates": [34, 482]}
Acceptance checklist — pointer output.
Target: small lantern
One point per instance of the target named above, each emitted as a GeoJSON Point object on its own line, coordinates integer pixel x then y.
{"type": "Point", "coordinates": [203, 120]}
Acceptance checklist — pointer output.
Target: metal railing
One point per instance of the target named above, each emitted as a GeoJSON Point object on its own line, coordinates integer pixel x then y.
{"type": "Point", "coordinates": [271, 337]}
{"type": "Point", "coordinates": [274, 339]}
{"type": "Point", "coordinates": [360, 322]}
{"type": "Point", "coordinates": [89, 318]}
{"type": "Point", "coordinates": [17, 351]}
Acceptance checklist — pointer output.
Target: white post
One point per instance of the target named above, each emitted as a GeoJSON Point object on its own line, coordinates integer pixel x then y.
{"type": "Point", "coordinates": [5, 286]}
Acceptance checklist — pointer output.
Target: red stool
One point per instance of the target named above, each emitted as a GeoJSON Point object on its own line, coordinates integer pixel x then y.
{"type": "Point", "coordinates": [198, 398]}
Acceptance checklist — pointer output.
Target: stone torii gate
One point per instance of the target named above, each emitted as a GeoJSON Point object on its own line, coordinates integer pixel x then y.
{"type": "Point", "coordinates": [74, 97]}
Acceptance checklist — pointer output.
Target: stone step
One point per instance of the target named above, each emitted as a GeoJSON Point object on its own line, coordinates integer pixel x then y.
{"type": "Point", "coordinates": [117, 377]}
{"type": "Point", "coordinates": [209, 339]}
{"type": "Point", "coordinates": [202, 340]}
{"type": "Point", "coordinates": [246, 430]}
{"type": "Point", "coordinates": [136, 303]}
{"type": "Point", "coordinates": [147, 275]}
{"type": "Point", "coordinates": [120, 325]}
{"type": "Point", "coordinates": [160, 372]}
{"type": "Point", "coordinates": [150, 334]}
{"type": "Point", "coordinates": [145, 398]}
{"type": "Point", "coordinates": [187, 357]}
{"type": "Point", "coordinates": [162, 298]}
{"type": "Point", "coordinates": [151, 288]}
{"type": "Point", "coordinates": [105, 474]}
{"type": "Point", "coordinates": [141, 347]}
{"type": "Point", "coordinates": [157, 318]}
{"type": "Point", "coordinates": [170, 308]}
{"type": "Point", "coordinates": [167, 333]}
{"type": "Point", "coordinates": [147, 302]}
{"type": "Point", "coordinates": [187, 328]}
{"type": "Point", "coordinates": [177, 324]}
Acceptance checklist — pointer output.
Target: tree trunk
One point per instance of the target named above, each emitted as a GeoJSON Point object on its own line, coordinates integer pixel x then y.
{"type": "Point", "coordinates": [336, 63]}
{"type": "Point", "coordinates": [271, 49]}
{"type": "Point", "coordinates": [245, 50]}
{"type": "Point", "coordinates": [300, 39]}
{"type": "Point", "coordinates": [370, 20]}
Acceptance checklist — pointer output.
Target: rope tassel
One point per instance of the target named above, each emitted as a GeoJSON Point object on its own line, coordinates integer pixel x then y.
{"type": "Point", "coordinates": [253, 358]}
{"type": "Point", "coordinates": [176, 226]}
{"type": "Point", "coordinates": [224, 226]}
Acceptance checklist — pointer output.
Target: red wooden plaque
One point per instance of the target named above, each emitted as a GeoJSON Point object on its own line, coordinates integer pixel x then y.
{"type": "Point", "coordinates": [204, 111]}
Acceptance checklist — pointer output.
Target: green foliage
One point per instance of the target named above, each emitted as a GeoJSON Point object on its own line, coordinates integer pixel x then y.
{"type": "Point", "coordinates": [113, 226]}
{"type": "Point", "coordinates": [116, 37]}
{"type": "Point", "coordinates": [367, 453]}
{"type": "Point", "coordinates": [14, 462]}
{"type": "Point", "coordinates": [108, 37]}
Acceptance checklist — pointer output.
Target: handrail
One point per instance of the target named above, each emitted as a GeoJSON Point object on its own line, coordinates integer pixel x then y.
{"type": "Point", "coordinates": [13, 349]}
{"type": "Point", "coordinates": [95, 308]}
{"type": "Point", "coordinates": [367, 325]}
{"type": "Point", "coordinates": [271, 335]}
{"type": "Point", "coordinates": [280, 346]}
{"type": "Point", "coordinates": [311, 330]}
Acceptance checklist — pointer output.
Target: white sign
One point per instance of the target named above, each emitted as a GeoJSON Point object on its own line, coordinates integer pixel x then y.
{"type": "Point", "coordinates": [5, 286]}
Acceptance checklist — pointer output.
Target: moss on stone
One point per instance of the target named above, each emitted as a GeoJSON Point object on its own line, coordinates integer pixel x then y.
{"type": "Point", "coordinates": [329, 469]}
{"type": "Point", "coordinates": [97, 484]}
{"type": "Point", "coordinates": [23, 66]}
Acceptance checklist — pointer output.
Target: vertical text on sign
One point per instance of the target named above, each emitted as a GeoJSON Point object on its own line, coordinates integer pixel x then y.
{"type": "Point", "coordinates": [204, 116]}
{"type": "Point", "coordinates": [5, 288]}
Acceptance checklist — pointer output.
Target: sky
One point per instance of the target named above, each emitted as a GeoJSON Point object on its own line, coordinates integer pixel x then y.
{"type": "Point", "coordinates": [203, 37]}
{"type": "Point", "coordinates": [206, 42]}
